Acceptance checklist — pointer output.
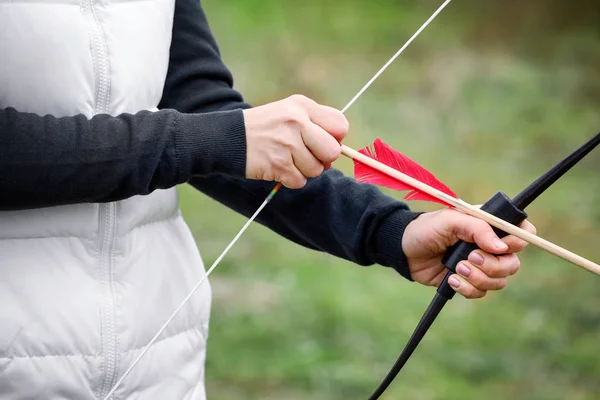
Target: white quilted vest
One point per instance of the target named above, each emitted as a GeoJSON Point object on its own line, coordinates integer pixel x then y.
{"type": "Point", "coordinates": [83, 288]}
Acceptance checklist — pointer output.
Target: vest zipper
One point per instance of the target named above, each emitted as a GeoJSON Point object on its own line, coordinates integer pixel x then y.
{"type": "Point", "coordinates": [107, 212]}
{"type": "Point", "coordinates": [109, 338]}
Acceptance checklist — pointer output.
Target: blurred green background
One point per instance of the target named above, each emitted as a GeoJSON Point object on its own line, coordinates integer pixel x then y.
{"type": "Point", "coordinates": [490, 96]}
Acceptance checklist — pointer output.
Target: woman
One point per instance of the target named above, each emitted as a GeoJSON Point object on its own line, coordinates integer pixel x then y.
{"type": "Point", "coordinates": [104, 108]}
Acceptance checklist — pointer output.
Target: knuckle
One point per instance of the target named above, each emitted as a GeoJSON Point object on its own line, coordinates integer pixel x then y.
{"type": "Point", "coordinates": [493, 270]}
{"type": "Point", "coordinates": [286, 141]}
{"type": "Point", "coordinates": [474, 293]}
{"type": "Point", "coordinates": [500, 284]}
{"type": "Point", "coordinates": [298, 182]}
{"type": "Point", "coordinates": [315, 170]}
{"type": "Point", "coordinates": [271, 176]}
{"type": "Point", "coordinates": [294, 114]}
{"type": "Point", "coordinates": [336, 152]}
{"type": "Point", "coordinates": [469, 293]}
{"type": "Point", "coordinates": [482, 232]}
{"type": "Point", "coordinates": [298, 98]}
{"type": "Point", "coordinates": [291, 182]}
{"type": "Point", "coordinates": [448, 214]}
{"type": "Point", "coordinates": [478, 280]}
{"type": "Point", "coordinates": [332, 154]}
{"type": "Point", "coordinates": [280, 162]}
{"type": "Point", "coordinates": [515, 245]}
{"type": "Point", "coordinates": [478, 224]}
{"type": "Point", "coordinates": [516, 265]}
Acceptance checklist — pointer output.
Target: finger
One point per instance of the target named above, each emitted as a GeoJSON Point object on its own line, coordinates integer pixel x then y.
{"type": "Point", "coordinates": [292, 178]}
{"type": "Point", "coordinates": [495, 266]}
{"type": "Point", "coordinates": [529, 227]}
{"type": "Point", "coordinates": [464, 288]}
{"type": "Point", "coordinates": [322, 145]}
{"type": "Point", "coordinates": [305, 161]}
{"type": "Point", "coordinates": [515, 244]}
{"type": "Point", "coordinates": [478, 278]}
{"type": "Point", "coordinates": [474, 230]}
{"type": "Point", "coordinates": [331, 120]}
{"type": "Point", "coordinates": [328, 118]}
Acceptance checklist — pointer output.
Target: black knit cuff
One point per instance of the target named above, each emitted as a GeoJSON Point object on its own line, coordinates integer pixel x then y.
{"type": "Point", "coordinates": [211, 142]}
{"type": "Point", "coordinates": [388, 241]}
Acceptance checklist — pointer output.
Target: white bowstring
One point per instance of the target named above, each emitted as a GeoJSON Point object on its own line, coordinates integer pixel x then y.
{"type": "Point", "coordinates": [417, 33]}
{"type": "Point", "coordinates": [262, 206]}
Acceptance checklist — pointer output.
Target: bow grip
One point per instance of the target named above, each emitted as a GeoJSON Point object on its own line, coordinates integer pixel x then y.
{"type": "Point", "coordinates": [501, 206]}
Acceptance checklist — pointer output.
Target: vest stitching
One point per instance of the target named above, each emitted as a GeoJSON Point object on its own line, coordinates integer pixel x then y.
{"type": "Point", "coordinates": [198, 328]}
{"type": "Point", "coordinates": [89, 238]}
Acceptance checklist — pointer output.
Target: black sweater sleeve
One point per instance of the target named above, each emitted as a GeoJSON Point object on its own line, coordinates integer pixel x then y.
{"type": "Point", "coordinates": [48, 161]}
{"type": "Point", "coordinates": [332, 213]}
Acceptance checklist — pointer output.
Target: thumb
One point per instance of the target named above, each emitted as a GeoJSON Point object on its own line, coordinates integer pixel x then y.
{"type": "Point", "coordinates": [474, 230]}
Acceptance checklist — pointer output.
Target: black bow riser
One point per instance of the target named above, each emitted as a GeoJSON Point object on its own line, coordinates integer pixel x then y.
{"type": "Point", "coordinates": [500, 205]}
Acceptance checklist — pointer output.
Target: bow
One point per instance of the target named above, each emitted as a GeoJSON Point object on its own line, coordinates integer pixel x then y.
{"type": "Point", "coordinates": [500, 205]}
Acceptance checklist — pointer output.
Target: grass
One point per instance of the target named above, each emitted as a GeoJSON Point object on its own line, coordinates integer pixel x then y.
{"type": "Point", "coordinates": [291, 323]}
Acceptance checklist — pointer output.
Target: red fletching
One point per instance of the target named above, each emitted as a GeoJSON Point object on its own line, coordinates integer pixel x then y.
{"type": "Point", "coordinates": [394, 159]}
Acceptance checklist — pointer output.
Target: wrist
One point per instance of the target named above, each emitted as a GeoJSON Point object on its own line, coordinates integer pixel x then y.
{"type": "Point", "coordinates": [388, 241]}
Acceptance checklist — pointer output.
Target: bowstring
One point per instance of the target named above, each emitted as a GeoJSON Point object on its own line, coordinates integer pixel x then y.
{"type": "Point", "coordinates": [260, 208]}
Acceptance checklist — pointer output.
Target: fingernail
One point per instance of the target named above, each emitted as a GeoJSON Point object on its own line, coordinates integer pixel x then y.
{"type": "Point", "coordinates": [463, 270]}
{"type": "Point", "coordinates": [500, 245]}
{"type": "Point", "coordinates": [455, 283]}
{"type": "Point", "coordinates": [476, 258]}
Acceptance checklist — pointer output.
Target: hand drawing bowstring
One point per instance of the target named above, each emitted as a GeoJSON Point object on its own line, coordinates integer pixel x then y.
{"type": "Point", "coordinates": [262, 206]}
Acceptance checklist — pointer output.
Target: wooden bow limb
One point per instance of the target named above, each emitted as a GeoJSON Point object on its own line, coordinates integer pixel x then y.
{"type": "Point", "coordinates": [475, 212]}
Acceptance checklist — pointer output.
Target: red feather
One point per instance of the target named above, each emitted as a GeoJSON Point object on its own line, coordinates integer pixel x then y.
{"type": "Point", "coordinates": [394, 159]}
